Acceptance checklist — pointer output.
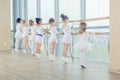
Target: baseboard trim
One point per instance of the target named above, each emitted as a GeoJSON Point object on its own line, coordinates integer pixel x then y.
{"type": "Point", "coordinates": [114, 71]}
{"type": "Point", "coordinates": [4, 50]}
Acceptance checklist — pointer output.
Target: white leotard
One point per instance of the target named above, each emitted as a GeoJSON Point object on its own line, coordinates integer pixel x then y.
{"type": "Point", "coordinates": [25, 31]}
{"type": "Point", "coordinates": [39, 35]}
{"type": "Point", "coordinates": [53, 34]}
{"type": "Point", "coordinates": [83, 43]}
{"type": "Point", "coordinates": [29, 29]}
{"type": "Point", "coordinates": [32, 38]}
{"type": "Point", "coordinates": [33, 32]}
{"type": "Point", "coordinates": [29, 32]}
{"type": "Point", "coordinates": [67, 37]}
{"type": "Point", "coordinates": [18, 33]}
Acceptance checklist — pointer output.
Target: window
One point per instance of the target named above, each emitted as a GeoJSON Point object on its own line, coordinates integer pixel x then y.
{"type": "Point", "coordinates": [32, 9]}
{"type": "Point", "coordinates": [71, 8]}
{"type": "Point", "coordinates": [97, 8]}
{"type": "Point", "coordinates": [47, 10]}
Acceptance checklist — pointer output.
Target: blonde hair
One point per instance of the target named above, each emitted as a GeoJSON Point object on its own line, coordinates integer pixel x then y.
{"type": "Point", "coordinates": [31, 22]}
{"type": "Point", "coordinates": [23, 22]}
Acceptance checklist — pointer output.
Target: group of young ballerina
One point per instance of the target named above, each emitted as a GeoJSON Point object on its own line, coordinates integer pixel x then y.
{"type": "Point", "coordinates": [33, 35]}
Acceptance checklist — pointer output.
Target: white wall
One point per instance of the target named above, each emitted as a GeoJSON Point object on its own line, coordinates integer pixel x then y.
{"type": "Point", "coordinates": [5, 25]}
{"type": "Point", "coordinates": [115, 35]}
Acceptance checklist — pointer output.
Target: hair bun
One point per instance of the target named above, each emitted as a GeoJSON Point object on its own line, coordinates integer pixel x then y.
{"type": "Point", "coordinates": [62, 15]}
{"type": "Point", "coordinates": [18, 20]}
{"type": "Point", "coordinates": [36, 19]}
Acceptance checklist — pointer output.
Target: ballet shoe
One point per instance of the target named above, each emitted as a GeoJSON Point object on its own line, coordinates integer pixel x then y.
{"type": "Point", "coordinates": [37, 55]}
{"type": "Point", "coordinates": [53, 58]}
{"type": "Point", "coordinates": [24, 52]}
{"type": "Point", "coordinates": [83, 67]}
{"type": "Point", "coordinates": [16, 51]}
{"type": "Point", "coordinates": [50, 57]}
{"type": "Point", "coordinates": [65, 60]}
{"type": "Point", "coordinates": [32, 53]}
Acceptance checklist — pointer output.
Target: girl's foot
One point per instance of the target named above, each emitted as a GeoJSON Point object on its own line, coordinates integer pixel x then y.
{"type": "Point", "coordinates": [24, 51]}
{"type": "Point", "coordinates": [32, 53]}
{"type": "Point", "coordinates": [51, 57]}
{"type": "Point", "coordinates": [64, 59]}
{"type": "Point", "coordinates": [16, 50]}
{"type": "Point", "coordinates": [37, 55]}
{"type": "Point", "coordinates": [83, 67]}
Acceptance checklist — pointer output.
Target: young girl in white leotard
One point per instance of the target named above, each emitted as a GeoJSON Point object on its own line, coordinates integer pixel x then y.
{"type": "Point", "coordinates": [83, 45]}
{"type": "Point", "coordinates": [32, 36]}
{"type": "Point", "coordinates": [67, 37]}
{"type": "Point", "coordinates": [24, 35]}
{"type": "Point", "coordinates": [18, 34]}
{"type": "Point", "coordinates": [53, 39]}
{"type": "Point", "coordinates": [39, 36]}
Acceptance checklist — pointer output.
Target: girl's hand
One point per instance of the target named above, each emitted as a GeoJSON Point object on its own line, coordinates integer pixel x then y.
{"type": "Point", "coordinates": [21, 29]}
{"type": "Point", "coordinates": [46, 32]}
{"type": "Point", "coordinates": [100, 33]}
{"type": "Point", "coordinates": [75, 33]}
{"type": "Point", "coordinates": [97, 33]}
{"type": "Point", "coordinates": [61, 33]}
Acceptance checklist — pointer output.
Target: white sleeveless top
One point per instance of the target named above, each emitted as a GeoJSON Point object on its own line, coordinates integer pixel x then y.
{"type": "Point", "coordinates": [83, 36]}
{"type": "Point", "coordinates": [18, 33]}
{"type": "Point", "coordinates": [67, 37]}
{"type": "Point", "coordinates": [83, 43]}
{"type": "Point", "coordinates": [33, 31]}
{"type": "Point", "coordinates": [53, 32]}
{"type": "Point", "coordinates": [39, 35]}
{"type": "Point", "coordinates": [25, 31]}
{"type": "Point", "coordinates": [40, 30]}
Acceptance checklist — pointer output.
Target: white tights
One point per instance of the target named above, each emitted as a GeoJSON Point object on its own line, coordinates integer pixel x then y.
{"type": "Point", "coordinates": [83, 57]}
{"type": "Point", "coordinates": [17, 43]}
{"type": "Point", "coordinates": [32, 46]}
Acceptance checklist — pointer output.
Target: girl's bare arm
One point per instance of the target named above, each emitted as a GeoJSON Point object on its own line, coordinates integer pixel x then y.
{"type": "Point", "coordinates": [46, 31]}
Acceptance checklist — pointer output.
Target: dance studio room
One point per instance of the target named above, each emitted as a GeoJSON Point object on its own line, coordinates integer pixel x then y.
{"type": "Point", "coordinates": [59, 40]}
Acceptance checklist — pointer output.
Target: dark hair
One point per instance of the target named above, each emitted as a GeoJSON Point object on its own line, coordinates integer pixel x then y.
{"type": "Point", "coordinates": [51, 20]}
{"type": "Point", "coordinates": [18, 20]}
{"type": "Point", "coordinates": [64, 17]}
{"type": "Point", "coordinates": [83, 23]}
{"type": "Point", "coordinates": [38, 20]}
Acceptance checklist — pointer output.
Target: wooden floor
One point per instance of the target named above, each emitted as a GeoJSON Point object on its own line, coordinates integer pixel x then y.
{"type": "Point", "coordinates": [15, 66]}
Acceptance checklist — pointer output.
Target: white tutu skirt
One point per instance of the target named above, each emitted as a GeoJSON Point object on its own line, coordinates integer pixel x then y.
{"type": "Point", "coordinates": [25, 35]}
{"type": "Point", "coordinates": [52, 39]}
{"type": "Point", "coordinates": [67, 39]}
{"type": "Point", "coordinates": [83, 45]}
{"type": "Point", "coordinates": [32, 37]}
{"type": "Point", "coordinates": [18, 35]}
{"type": "Point", "coordinates": [38, 39]}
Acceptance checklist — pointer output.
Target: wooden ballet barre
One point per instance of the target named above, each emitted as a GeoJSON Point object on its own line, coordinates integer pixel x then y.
{"type": "Point", "coordinates": [83, 20]}
{"type": "Point", "coordinates": [92, 19]}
